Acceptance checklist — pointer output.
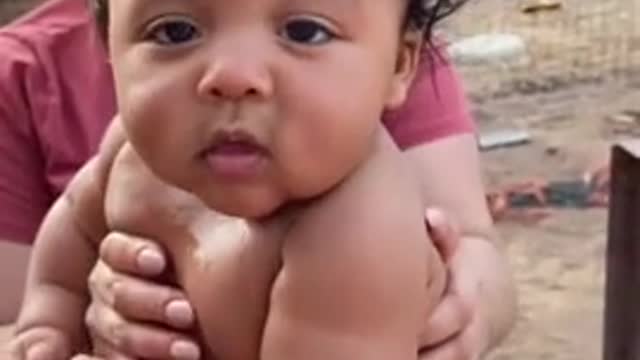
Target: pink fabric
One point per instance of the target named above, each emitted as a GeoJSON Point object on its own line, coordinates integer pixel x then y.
{"type": "Point", "coordinates": [57, 98]}
{"type": "Point", "coordinates": [436, 107]}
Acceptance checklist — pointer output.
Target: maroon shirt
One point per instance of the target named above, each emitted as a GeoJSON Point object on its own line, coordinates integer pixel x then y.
{"type": "Point", "coordinates": [57, 99]}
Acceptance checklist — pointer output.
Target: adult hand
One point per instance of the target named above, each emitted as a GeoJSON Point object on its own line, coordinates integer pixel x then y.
{"type": "Point", "coordinates": [134, 315]}
{"type": "Point", "coordinates": [458, 329]}
{"type": "Point", "coordinates": [129, 316]}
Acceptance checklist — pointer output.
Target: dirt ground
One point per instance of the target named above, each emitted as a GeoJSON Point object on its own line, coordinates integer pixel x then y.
{"type": "Point", "coordinates": [558, 262]}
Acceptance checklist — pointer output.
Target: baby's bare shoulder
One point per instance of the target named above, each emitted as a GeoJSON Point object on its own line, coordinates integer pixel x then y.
{"type": "Point", "coordinates": [351, 261]}
{"type": "Point", "coordinates": [382, 195]}
{"type": "Point", "coordinates": [376, 216]}
{"type": "Point", "coordinates": [86, 191]}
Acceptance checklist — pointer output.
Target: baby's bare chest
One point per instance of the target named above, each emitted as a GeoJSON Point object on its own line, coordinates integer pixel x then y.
{"type": "Point", "coordinates": [226, 265]}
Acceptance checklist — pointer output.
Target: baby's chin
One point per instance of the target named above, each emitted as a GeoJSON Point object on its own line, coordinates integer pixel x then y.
{"type": "Point", "coordinates": [248, 206]}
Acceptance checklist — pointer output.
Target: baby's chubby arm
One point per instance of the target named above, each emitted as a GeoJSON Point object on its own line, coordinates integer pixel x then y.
{"type": "Point", "coordinates": [50, 325]}
{"type": "Point", "coordinates": [354, 283]}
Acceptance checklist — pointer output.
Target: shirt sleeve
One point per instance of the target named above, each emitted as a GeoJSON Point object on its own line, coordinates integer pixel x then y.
{"type": "Point", "coordinates": [436, 106]}
{"type": "Point", "coordinates": [24, 195]}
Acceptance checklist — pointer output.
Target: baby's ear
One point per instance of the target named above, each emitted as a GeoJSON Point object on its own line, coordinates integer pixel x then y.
{"type": "Point", "coordinates": [407, 61]}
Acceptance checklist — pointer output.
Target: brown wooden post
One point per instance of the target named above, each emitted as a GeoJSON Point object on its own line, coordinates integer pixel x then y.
{"type": "Point", "coordinates": [622, 302]}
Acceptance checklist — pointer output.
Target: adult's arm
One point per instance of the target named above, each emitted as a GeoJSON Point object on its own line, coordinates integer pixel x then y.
{"type": "Point", "coordinates": [436, 130]}
{"type": "Point", "coordinates": [482, 281]}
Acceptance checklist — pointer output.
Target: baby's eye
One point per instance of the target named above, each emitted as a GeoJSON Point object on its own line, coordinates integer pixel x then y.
{"type": "Point", "coordinates": [173, 32]}
{"type": "Point", "coordinates": [307, 32]}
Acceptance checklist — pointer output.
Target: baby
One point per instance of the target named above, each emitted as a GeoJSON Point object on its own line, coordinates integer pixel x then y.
{"type": "Point", "coordinates": [251, 144]}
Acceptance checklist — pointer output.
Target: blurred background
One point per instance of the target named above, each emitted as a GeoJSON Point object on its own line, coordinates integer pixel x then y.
{"type": "Point", "coordinates": [552, 84]}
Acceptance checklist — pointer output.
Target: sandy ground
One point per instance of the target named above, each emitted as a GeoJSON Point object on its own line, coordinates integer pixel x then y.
{"type": "Point", "coordinates": [559, 262]}
{"type": "Point", "coordinates": [559, 270]}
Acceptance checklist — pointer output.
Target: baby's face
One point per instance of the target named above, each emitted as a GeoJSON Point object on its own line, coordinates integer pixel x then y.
{"type": "Point", "coordinates": [251, 103]}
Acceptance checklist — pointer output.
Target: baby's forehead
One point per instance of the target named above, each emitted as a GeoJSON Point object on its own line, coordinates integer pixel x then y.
{"type": "Point", "coordinates": [346, 5]}
{"type": "Point", "coordinates": [347, 11]}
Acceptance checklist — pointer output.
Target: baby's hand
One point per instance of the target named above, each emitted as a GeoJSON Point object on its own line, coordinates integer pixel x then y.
{"type": "Point", "coordinates": [40, 343]}
{"type": "Point", "coordinates": [131, 315]}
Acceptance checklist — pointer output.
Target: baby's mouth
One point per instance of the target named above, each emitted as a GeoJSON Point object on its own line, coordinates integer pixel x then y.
{"type": "Point", "coordinates": [235, 148]}
{"type": "Point", "coordinates": [235, 156]}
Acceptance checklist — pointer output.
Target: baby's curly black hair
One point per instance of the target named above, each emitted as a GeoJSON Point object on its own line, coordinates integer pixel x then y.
{"type": "Point", "coordinates": [422, 15]}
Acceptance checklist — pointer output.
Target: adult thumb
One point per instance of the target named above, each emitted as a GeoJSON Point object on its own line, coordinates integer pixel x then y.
{"type": "Point", "coordinates": [443, 232]}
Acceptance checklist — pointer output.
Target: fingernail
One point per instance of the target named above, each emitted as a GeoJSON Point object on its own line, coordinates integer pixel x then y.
{"type": "Point", "coordinates": [39, 351]}
{"type": "Point", "coordinates": [184, 350]}
{"type": "Point", "coordinates": [434, 217]}
{"type": "Point", "coordinates": [150, 262]}
{"type": "Point", "coordinates": [179, 314]}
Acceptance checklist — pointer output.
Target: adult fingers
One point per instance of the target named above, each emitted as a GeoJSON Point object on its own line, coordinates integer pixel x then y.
{"type": "Point", "coordinates": [133, 255]}
{"type": "Point", "coordinates": [114, 335]}
{"type": "Point", "coordinates": [453, 349]}
{"type": "Point", "coordinates": [443, 232]}
{"type": "Point", "coordinates": [141, 300]}
{"type": "Point", "coordinates": [450, 317]}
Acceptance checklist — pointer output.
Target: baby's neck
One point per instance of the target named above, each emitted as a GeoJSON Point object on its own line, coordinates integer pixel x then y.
{"type": "Point", "coordinates": [287, 212]}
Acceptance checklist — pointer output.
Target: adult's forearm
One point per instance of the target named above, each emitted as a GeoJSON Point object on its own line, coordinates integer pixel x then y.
{"type": "Point", "coordinates": [14, 259]}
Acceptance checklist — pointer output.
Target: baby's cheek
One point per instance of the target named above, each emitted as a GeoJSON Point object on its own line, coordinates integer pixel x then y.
{"type": "Point", "coordinates": [150, 133]}
{"type": "Point", "coordinates": [310, 158]}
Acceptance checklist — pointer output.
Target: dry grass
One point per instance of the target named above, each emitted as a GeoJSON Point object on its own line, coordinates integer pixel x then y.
{"type": "Point", "coordinates": [587, 40]}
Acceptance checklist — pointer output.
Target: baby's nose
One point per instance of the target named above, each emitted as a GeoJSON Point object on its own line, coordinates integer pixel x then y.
{"type": "Point", "coordinates": [235, 80]}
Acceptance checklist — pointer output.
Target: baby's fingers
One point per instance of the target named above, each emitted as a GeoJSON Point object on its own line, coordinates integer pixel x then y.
{"type": "Point", "coordinates": [39, 344]}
